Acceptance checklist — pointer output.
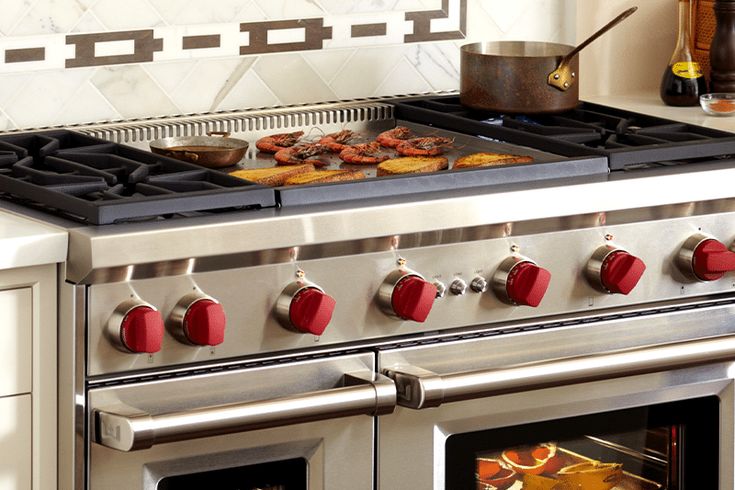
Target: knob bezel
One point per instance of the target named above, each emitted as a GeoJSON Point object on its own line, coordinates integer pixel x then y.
{"type": "Point", "coordinates": [685, 257]}
{"type": "Point", "coordinates": [114, 323]}
{"type": "Point", "coordinates": [385, 291]}
{"type": "Point", "coordinates": [176, 318]}
{"type": "Point", "coordinates": [283, 303]}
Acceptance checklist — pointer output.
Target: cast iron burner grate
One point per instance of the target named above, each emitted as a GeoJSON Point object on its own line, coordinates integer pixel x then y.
{"type": "Point", "coordinates": [98, 182]}
{"type": "Point", "coordinates": [625, 138]}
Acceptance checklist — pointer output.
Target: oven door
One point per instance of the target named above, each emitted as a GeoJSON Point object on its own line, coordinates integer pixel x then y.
{"type": "Point", "coordinates": [281, 426]}
{"type": "Point", "coordinates": [641, 401]}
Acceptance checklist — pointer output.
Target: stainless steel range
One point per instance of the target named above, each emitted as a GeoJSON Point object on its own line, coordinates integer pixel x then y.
{"type": "Point", "coordinates": [469, 329]}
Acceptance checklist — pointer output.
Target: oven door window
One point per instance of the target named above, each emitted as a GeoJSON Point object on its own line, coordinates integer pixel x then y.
{"type": "Point", "coordinates": [279, 475]}
{"type": "Point", "coordinates": [672, 446]}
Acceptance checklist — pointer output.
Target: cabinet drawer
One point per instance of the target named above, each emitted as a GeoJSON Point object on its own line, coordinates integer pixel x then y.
{"type": "Point", "coordinates": [16, 311]}
{"type": "Point", "coordinates": [15, 442]}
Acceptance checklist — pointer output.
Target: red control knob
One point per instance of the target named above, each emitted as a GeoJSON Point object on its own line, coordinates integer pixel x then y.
{"type": "Point", "coordinates": [412, 298]}
{"type": "Point", "coordinates": [711, 259]}
{"type": "Point", "coordinates": [204, 322]}
{"type": "Point", "coordinates": [310, 310]}
{"type": "Point", "coordinates": [141, 330]}
{"type": "Point", "coordinates": [527, 284]}
{"type": "Point", "coordinates": [621, 271]}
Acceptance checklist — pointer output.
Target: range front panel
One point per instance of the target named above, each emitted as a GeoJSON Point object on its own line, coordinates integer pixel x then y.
{"type": "Point", "coordinates": [258, 301]}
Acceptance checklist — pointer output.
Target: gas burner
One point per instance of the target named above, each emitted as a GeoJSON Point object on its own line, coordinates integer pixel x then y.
{"type": "Point", "coordinates": [625, 138]}
{"type": "Point", "coordinates": [98, 182]}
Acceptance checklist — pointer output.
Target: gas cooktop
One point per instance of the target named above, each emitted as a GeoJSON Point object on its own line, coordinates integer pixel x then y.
{"type": "Point", "coordinates": [84, 176]}
{"type": "Point", "coordinates": [629, 140]}
{"type": "Point", "coordinates": [95, 181]}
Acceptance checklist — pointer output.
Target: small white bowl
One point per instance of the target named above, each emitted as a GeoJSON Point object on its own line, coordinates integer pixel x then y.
{"type": "Point", "coordinates": [722, 104]}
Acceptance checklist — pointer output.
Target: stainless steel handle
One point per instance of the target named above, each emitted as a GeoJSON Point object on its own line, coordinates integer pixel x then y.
{"type": "Point", "coordinates": [125, 429]}
{"type": "Point", "coordinates": [419, 388]}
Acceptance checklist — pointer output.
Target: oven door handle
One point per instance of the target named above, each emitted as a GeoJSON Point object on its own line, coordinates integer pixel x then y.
{"type": "Point", "coordinates": [419, 388]}
{"type": "Point", "coordinates": [127, 429]}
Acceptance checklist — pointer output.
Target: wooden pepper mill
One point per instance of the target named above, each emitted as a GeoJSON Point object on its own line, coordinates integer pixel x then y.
{"type": "Point", "coordinates": [722, 51]}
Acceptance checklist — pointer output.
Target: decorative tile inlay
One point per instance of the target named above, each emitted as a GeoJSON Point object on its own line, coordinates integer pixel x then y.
{"type": "Point", "coordinates": [369, 30]}
{"type": "Point", "coordinates": [260, 41]}
{"type": "Point", "coordinates": [232, 39]}
{"type": "Point", "coordinates": [86, 48]}
{"type": "Point", "coordinates": [24, 55]}
{"type": "Point", "coordinates": [201, 42]}
{"type": "Point", "coordinates": [455, 15]}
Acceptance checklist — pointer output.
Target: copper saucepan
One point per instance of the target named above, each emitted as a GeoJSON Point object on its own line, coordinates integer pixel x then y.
{"type": "Point", "coordinates": [216, 150]}
{"type": "Point", "coordinates": [520, 77]}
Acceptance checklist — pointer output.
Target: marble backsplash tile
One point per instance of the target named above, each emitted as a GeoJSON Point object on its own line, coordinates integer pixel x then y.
{"type": "Point", "coordinates": [78, 61]}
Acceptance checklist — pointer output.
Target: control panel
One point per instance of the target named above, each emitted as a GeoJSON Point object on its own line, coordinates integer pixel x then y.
{"type": "Point", "coordinates": [211, 316]}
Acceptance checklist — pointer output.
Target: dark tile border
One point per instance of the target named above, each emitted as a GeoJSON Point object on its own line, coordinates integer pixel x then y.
{"type": "Point", "coordinates": [201, 42]}
{"type": "Point", "coordinates": [144, 42]}
{"type": "Point", "coordinates": [315, 33]}
{"type": "Point", "coordinates": [25, 55]}
{"type": "Point", "coordinates": [422, 24]}
{"type": "Point", "coordinates": [369, 30]}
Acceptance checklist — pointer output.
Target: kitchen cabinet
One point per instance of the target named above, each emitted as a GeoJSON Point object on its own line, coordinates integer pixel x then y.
{"type": "Point", "coordinates": [15, 443]}
{"type": "Point", "coordinates": [28, 378]}
{"type": "Point", "coordinates": [15, 347]}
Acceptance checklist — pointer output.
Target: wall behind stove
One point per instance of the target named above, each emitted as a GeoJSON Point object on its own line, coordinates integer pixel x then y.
{"type": "Point", "coordinates": [78, 61]}
{"type": "Point", "coordinates": [630, 59]}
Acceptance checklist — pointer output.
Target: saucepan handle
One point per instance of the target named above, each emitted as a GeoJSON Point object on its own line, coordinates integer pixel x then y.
{"type": "Point", "coordinates": [126, 429]}
{"type": "Point", "coordinates": [224, 134]}
{"type": "Point", "coordinates": [563, 77]}
{"type": "Point", "coordinates": [419, 388]}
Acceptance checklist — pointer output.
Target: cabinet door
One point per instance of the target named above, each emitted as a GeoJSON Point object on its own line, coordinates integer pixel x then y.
{"type": "Point", "coordinates": [15, 443]}
{"type": "Point", "coordinates": [15, 341]}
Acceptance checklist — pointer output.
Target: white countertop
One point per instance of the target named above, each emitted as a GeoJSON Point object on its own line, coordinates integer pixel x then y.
{"type": "Point", "coordinates": [651, 104]}
{"type": "Point", "coordinates": [25, 242]}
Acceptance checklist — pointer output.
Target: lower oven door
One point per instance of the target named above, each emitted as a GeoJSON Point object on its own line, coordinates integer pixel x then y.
{"type": "Point", "coordinates": [284, 426]}
{"type": "Point", "coordinates": [637, 402]}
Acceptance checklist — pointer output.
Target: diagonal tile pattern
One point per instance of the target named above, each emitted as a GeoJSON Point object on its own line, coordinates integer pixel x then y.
{"type": "Point", "coordinates": [209, 78]}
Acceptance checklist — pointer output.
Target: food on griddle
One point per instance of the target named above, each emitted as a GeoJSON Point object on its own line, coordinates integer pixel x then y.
{"type": "Point", "coordinates": [322, 176]}
{"type": "Point", "coordinates": [592, 475]}
{"type": "Point", "coordinates": [394, 137]}
{"type": "Point", "coordinates": [476, 160]}
{"type": "Point", "coordinates": [493, 473]}
{"type": "Point", "coordinates": [277, 142]}
{"type": "Point", "coordinates": [412, 165]}
{"type": "Point", "coordinates": [336, 142]}
{"type": "Point", "coordinates": [272, 176]}
{"type": "Point", "coordinates": [363, 154]}
{"type": "Point", "coordinates": [297, 155]}
{"type": "Point", "coordinates": [427, 146]}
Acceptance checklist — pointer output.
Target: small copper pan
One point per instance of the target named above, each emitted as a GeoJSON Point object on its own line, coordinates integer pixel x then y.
{"type": "Point", "coordinates": [216, 150]}
{"type": "Point", "coordinates": [512, 77]}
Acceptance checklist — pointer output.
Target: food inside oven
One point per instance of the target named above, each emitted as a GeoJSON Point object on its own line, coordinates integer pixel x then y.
{"type": "Point", "coordinates": [666, 446]}
{"type": "Point", "coordinates": [620, 462]}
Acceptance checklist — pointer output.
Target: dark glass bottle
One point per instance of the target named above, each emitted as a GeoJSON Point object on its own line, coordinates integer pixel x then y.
{"type": "Point", "coordinates": [722, 51]}
{"type": "Point", "coordinates": [683, 81]}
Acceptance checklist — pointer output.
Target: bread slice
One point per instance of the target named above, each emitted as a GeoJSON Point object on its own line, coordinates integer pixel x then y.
{"type": "Point", "coordinates": [412, 165]}
{"type": "Point", "coordinates": [321, 176]}
{"type": "Point", "coordinates": [273, 176]}
{"type": "Point", "coordinates": [489, 160]}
